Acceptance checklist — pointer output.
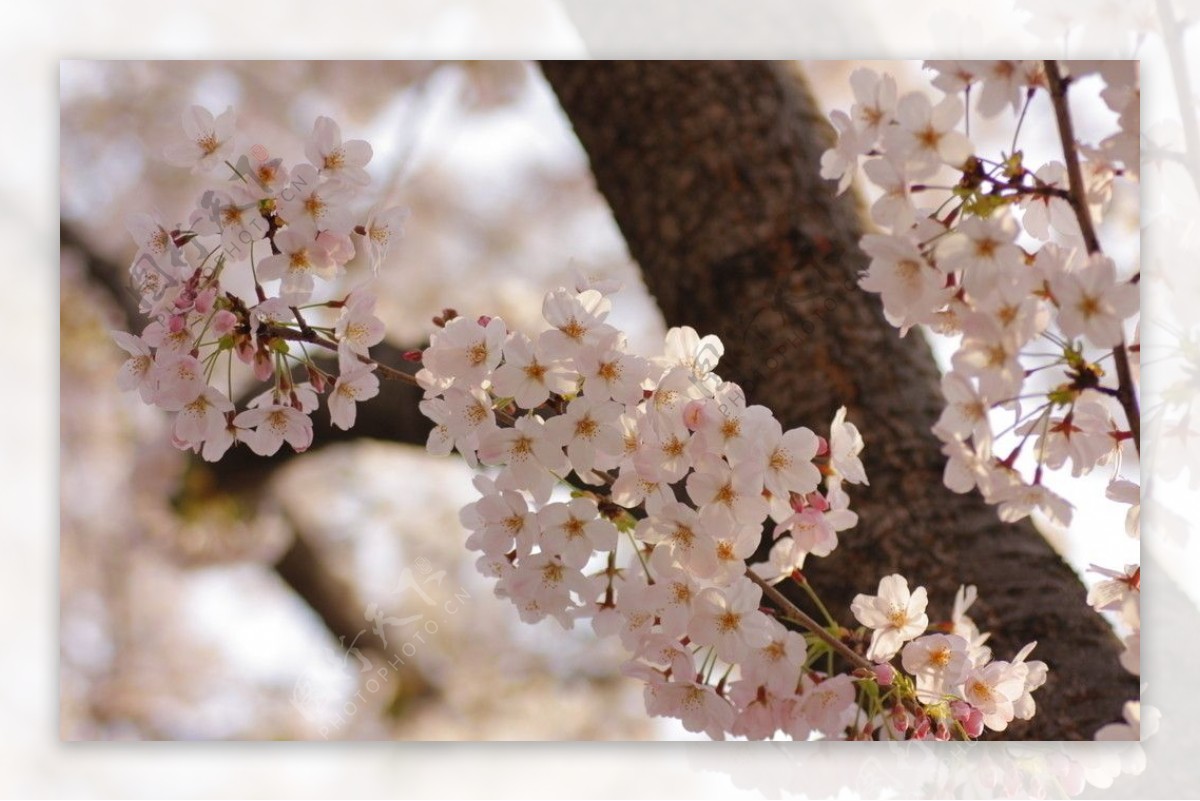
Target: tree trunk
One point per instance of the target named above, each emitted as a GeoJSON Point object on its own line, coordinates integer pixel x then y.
{"type": "Point", "coordinates": [712, 173]}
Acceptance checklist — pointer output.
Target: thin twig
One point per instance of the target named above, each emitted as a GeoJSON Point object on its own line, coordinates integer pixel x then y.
{"type": "Point", "coordinates": [1078, 200]}
{"type": "Point", "coordinates": [801, 617]}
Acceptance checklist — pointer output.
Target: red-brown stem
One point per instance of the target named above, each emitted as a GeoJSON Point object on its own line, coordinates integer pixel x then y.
{"type": "Point", "coordinates": [794, 612]}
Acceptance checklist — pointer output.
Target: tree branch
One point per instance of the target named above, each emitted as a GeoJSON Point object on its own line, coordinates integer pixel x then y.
{"type": "Point", "coordinates": [1126, 394]}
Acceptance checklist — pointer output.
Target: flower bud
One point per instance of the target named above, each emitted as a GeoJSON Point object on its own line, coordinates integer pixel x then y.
{"type": "Point", "coordinates": [693, 414]}
{"type": "Point", "coordinates": [223, 322]}
{"type": "Point", "coordinates": [264, 367]}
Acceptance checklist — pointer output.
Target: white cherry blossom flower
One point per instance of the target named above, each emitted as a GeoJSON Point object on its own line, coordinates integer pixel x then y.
{"type": "Point", "coordinates": [528, 377]}
{"type": "Point", "coordinates": [353, 386]}
{"type": "Point", "coordinates": [464, 353]}
{"type": "Point", "coordinates": [735, 494]}
{"type": "Point", "coordinates": [875, 106]}
{"type": "Point", "coordinates": [911, 288]}
{"type": "Point", "coordinates": [573, 530]}
{"type": "Point", "coordinates": [1019, 499]}
{"type": "Point", "coordinates": [966, 412]}
{"type": "Point", "coordinates": [138, 370]}
{"type": "Point", "coordinates": [207, 142]}
{"type": "Point", "coordinates": [609, 372]}
{"type": "Point", "coordinates": [202, 418]}
{"type": "Point", "coordinates": [577, 320]}
{"type": "Point", "coordinates": [939, 663]}
{"type": "Point", "coordinates": [894, 615]}
{"type": "Point", "coordinates": [827, 706]}
{"type": "Point", "coordinates": [1043, 212]}
{"type": "Point", "coordinates": [335, 159]}
{"type": "Point", "coordinates": [358, 329]}
{"type": "Point", "coordinates": [925, 136]}
{"type": "Point", "coordinates": [588, 430]}
{"type": "Point", "coordinates": [308, 200]}
{"type": "Point", "coordinates": [728, 619]}
{"type": "Point", "coordinates": [984, 252]}
{"type": "Point", "coordinates": [300, 260]}
{"type": "Point", "coordinates": [272, 425]}
{"type": "Point", "coordinates": [1093, 304]}
{"type": "Point", "coordinates": [845, 444]}
{"type": "Point", "coordinates": [383, 229]}
{"type": "Point", "coordinates": [992, 689]}
{"type": "Point", "coordinates": [838, 163]}
{"type": "Point", "coordinates": [532, 459]}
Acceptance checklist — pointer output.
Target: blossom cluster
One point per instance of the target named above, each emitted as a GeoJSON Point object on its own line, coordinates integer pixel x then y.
{"type": "Point", "coordinates": [237, 282]}
{"type": "Point", "coordinates": [1001, 256]}
{"type": "Point", "coordinates": [953, 668]}
{"type": "Point", "coordinates": [674, 477]}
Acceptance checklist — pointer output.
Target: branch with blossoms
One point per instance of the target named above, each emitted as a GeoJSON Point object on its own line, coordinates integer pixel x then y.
{"type": "Point", "coordinates": [672, 478]}
{"type": "Point", "coordinates": [203, 286]}
{"type": "Point", "coordinates": [1007, 258]}
{"type": "Point", "coordinates": [625, 491]}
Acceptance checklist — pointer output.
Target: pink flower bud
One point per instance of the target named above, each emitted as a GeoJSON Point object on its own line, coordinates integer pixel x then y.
{"type": "Point", "coordinates": [943, 731]}
{"type": "Point", "coordinates": [817, 501]}
{"type": "Point", "coordinates": [921, 730]}
{"type": "Point", "coordinates": [244, 349]}
{"type": "Point", "coordinates": [223, 322]}
{"type": "Point", "coordinates": [412, 356]}
{"type": "Point", "coordinates": [822, 446]}
{"type": "Point", "coordinates": [317, 379]}
{"type": "Point", "coordinates": [264, 368]}
{"type": "Point", "coordinates": [483, 320]}
{"type": "Point", "coordinates": [204, 301]}
{"type": "Point", "coordinates": [693, 414]}
{"type": "Point", "coordinates": [885, 674]}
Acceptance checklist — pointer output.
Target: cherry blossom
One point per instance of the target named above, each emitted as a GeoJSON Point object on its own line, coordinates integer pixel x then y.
{"type": "Point", "coordinates": [894, 615]}
{"type": "Point", "coordinates": [528, 377]}
{"type": "Point", "coordinates": [207, 141]}
{"type": "Point", "coordinates": [335, 159]}
{"type": "Point", "coordinates": [353, 386]}
{"type": "Point", "coordinates": [1092, 303]}
{"type": "Point", "coordinates": [300, 260]}
{"type": "Point", "coordinates": [728, 619]}
{"type": "Point", "coordinates": [269, 426]}
{"type": "Point", "coordinates": [925, 135]}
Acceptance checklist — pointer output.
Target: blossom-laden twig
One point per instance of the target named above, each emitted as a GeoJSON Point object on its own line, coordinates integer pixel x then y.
{"type": "Point", "coordinates": [1007, 256]}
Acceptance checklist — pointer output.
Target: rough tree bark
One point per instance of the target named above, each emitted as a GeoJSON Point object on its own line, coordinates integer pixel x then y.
{"type": "Point", "coordinates": [711, 171]}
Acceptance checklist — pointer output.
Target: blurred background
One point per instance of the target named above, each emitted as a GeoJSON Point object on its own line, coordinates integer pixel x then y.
{"type": "Point", "coordinates": [186, 615]}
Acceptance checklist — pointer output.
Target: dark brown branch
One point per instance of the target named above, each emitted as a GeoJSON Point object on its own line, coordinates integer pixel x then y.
{"type": "Point", "coordinates": [711, 171]}
{"type": "Point", "coordinates": [1126, 393]}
